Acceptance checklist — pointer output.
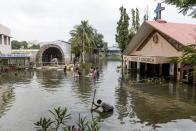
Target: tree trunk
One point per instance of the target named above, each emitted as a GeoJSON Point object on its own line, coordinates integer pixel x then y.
{"type": "Point", "coordinates": [122, 66]}
{"type": "Point", "coordinates": [83, 51]}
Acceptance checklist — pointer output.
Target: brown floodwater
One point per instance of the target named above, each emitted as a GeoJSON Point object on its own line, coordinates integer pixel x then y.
{"type": "Point", "coordinates": [145, 105]}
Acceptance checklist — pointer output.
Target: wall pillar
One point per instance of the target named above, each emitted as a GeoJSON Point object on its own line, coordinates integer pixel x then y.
{"type": "Point", "coordinates": [145, 67]}
{"type": "Point", "coordinates": [178, 71]}
{"type": "Point", "coordinates": [123, 63]}
{"type": "Point", "coordinates": [2, 39]}
{"type": "Point", "coordinates": [138, 66]}
{"type": "Point", "coordinates": [160, 70]}
{"type": "Point", "coordinates": [7, 40]}
{"type": "Point", "coordinates": [171, 69]}
{"type": "Point", "coordinates": [128, 64]}
{"type": "Point", "coordinates": [138, 72]}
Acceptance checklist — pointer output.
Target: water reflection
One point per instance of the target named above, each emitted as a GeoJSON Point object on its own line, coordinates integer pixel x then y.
{"type": "Point", "coordinates": [122, 100]}
{"type": "Point", "coordinates": [161, 103]}
{"type": "Point", "coordinates": [84, 87]}
{"type": "Point", "coordinates": [19, 76]}
{"type": "Point", "coordinates": [139, 104]}
{"type": "Point", "coordinates": [101, 116]}
{"type": "Point", "coordinates": [50, 78]}
{"type": "Point", "coordinates": [6, 97]}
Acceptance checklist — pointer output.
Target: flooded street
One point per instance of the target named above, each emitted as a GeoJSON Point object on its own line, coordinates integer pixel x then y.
{"type": "Point", "coordinates": [162, 106]}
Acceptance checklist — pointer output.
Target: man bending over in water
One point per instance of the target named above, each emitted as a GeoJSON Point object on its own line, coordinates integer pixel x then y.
{"type": "Point", "coordinates": [105, 106]}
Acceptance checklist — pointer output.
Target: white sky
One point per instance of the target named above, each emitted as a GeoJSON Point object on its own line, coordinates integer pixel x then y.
{"type": "Point", "coordinates": [49, 20]}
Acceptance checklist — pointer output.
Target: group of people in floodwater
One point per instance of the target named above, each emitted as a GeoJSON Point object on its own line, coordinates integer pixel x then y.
{"type": "Point", "coordinates": [104, 109]}
{"type": "Point", "coordinates": [93, 72]}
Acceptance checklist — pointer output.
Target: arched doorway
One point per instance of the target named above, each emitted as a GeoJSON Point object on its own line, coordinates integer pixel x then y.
{"type": "Point", "coordinates": [48, 54]}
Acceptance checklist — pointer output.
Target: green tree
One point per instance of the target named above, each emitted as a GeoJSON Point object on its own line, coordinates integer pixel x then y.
{"type": "Point", "coordinates": [189, 55]}
{"type": "Point", "coordinates": [135, 23]}
{"type": "Point", "coordinates": [146, 15]}
{"type": "Point", "coordinates": [122, 30]}
{"type": "Point", "coordinates": [98, 39]}
{"type": "Point", "coordinates": [101, 45]}
{"type": "Point", "coordinates": [137, 20]}
{"type": "Point", "coordinates": [131, 34]}
{"type": "Point", "coordinates": [23, 45]}
{"type": "Point", "coordinates": [18, 45]}
{"type": "Point", "coordinates": [133, 27]}
{"type": "Point", "coordinates": [85, 39]}
{"type": "Point", "coordinates": [82, 39]}
{"type": "Point", "coordinates": [34, 46]}
{"type": "Point", "coordinates": [184, 6]}
{"type": "Point", "coordinates": [59, 120]}
{"type": "Point", "coordinates": [15, 44]}
{"type": "Point", "coordinates": [145, 18]}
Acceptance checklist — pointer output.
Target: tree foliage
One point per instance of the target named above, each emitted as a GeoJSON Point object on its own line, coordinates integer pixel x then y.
{"type": "Point", "coordinates": [59, 121]}
{"type": "Point", "coordinates": [133, 27]}
{"type": "Point", "coordinates": [34, 46]}
{"type": "Point", "coordinates": [137, 19]}
{"type": "Point", "coordinates": [146, 15]}
{"type": "Point", "coordinates": [24, 45]}
{"type": "Point", "coordinates": [122, 34]}
{"type": "Point", "coordinates": [85, 37]}
{"type": "Point", "coordinates": [189, 55]}
{"type": "Point", "coordinates": [185, 6]}
{"type": "Point", "coordinates": [135, 23]}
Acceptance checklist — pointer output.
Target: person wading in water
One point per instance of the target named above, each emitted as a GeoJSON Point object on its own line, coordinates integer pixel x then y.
{"type": "Point", "coordinates": [105, 106]}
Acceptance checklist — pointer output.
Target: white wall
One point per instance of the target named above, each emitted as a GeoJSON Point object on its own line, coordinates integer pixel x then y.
{"type": "Point", "coordinates": [64, 46]}
{"type": "Point", "coordinates": [5, 33]}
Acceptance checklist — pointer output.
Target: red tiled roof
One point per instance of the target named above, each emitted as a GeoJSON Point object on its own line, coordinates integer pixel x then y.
{"type": "Point", "coordinates": [183, 33]}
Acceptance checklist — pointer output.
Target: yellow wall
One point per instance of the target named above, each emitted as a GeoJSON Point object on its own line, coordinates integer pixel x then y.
{"type": "Point", "coordinates": [162, 48]}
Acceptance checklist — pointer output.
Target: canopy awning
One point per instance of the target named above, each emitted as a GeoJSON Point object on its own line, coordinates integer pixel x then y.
{"type": "Point", "coordinates": [15, 55]}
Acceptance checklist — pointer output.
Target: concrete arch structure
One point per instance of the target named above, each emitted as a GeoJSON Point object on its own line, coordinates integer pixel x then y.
{"type": "Point", "coordinates": [49, 52]}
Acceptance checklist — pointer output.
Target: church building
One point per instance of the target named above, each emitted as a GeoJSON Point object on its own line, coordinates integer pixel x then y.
{"type": "Point", "coordinates": [156, 44]}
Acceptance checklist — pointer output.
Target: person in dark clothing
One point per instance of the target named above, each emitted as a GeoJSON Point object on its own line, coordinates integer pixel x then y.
{"type": "Point", "coordinates": [97, 72]}
{"type": "Point", "coordinates": [105, 106]}
{"type": "Point", "coordinates": [65, 68]}
{"type": "Point", "coordinates": [79, 73]}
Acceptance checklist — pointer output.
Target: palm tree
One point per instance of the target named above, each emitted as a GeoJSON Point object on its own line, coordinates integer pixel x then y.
{"type": "Point", "coordinates": [82, 39]}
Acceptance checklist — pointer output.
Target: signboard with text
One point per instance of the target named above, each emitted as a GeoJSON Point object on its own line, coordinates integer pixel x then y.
{"type": "Point", "coordinates": [143, 59]}
{"type": "Point", "coordinates": [148, 59]}
{"type": "Point", "coordinates": [14, 55]}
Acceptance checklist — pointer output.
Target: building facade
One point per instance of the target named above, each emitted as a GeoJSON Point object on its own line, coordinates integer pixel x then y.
{"type": "Point", "coordinates": [114, 53]}
{"type": "Point", "coordinates": [63, 45]}
{"type": "Point", "coordinates": [156, 45]}
{"type": "Point", "coordinates": [9, 61]}
{"type": "Point", "coordinates": [5, 40]}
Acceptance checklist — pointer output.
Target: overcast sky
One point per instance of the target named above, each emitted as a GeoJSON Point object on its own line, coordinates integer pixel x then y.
{"type": "Point", "coordinates": [49, 20]}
